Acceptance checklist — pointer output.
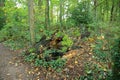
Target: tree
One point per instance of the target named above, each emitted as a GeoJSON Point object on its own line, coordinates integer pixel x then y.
{"type": "Point", "coordinates": [61, 13]}
{"type": "Point", "coordinates": [40, 2]}
{"type": "Point", "coordinates": [47, 19]}
{"type": "Point", "coordinates": [2, 3]}
{"type": "Point", "coordinates": [2, 13]}
{"type": "Point", "coordinates": [95, 8]}
{"type": "Point", "coordinates": [112, 10]}
{"type": "Point", "coordinates": [51, 11]}
{"type": "Point", "coordinates": [81, 14]}
{"type": "Point", "coordinates": [31, 20]}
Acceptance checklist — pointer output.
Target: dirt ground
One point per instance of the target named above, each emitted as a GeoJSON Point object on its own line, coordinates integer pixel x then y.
{"type": "Point", "coordinates": [12, 66]}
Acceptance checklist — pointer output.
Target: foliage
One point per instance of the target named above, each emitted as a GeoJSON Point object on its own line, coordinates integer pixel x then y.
{"type": "Point", "coordinates": [116, 60]}
{"type": "Point", "coordinates": [51, 57]}
{"type": "Point", "coordinates": [2, 18]}
{"type": "Point", "coordinates": [99, 16]}
{"type": "Point", "coordinates": [14, 33]}
{"type": "Point", "coordinates": [67, 43]}
{"type": "Point", "coordinates": [100, 51]}
{"type": "Point", "coordinates": [54, 64]}
{"type": "Point", "coordinates": [81, 13]}
{"type": "Point", "coordinates": [30, 57]}
{"type": "Point", "coordinates": [92, 70]}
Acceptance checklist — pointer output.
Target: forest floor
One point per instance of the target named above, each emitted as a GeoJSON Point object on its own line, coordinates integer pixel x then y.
{"type": "Point", "coordinates": [10, 66]}
{"type": "Point", "coordinates": [13, 67]}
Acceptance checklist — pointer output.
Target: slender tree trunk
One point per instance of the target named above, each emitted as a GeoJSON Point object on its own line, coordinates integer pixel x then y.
{"type": "Point", "coordinates": [67, 13]}
{"type": "Point", "coordinates": [57, 20]}
{"type": "Point", "coordinates": [40, 5]}
{"type": "Point", "coordinates": [61, 13]}
{"type": "Point", "coordinates": [2, 14]}
{"type": "Point", "coordinates": [119, 11]}
{"type": "Point", "coordinates": [112, 10]}
{"type": "Point", "coordinates": [47, 19]}
{"type": "Point", "coordinates": [95, 9]}
{"type": "Point", "coordinates": [2, 3]}
{"type": "Point", "coordinates": [51, 12]}
{"type": "Point", "coordinates": [31, 21]}
{"type": "Point", "coordinates": [107, 12]}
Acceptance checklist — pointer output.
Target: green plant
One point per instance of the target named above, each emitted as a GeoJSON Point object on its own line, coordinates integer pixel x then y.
{"type": "Point", "coordinates": [31, 50]}
{"type": "Point", "coordinates": [2, 18]}
{"type": "Point", "coordinates": [116, 60]}
{"type": "Point", "coordinates": [54, 64]}
{"type": "Point", "coordinates": [100, 53]}
{"type": "Point", "coordinates": [45, 59]}
{"type": "Point", "coordinates": [31, 57]}
{"type": "Point", "coordinates": [95, 72]}
{"type": "Point", "coordinates": [81, 13]}
{"type": "Point", "coordinates": [67, 43]}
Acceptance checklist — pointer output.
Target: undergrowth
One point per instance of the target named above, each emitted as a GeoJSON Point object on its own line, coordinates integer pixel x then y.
{"type": "Point", "coordinates": [116, 60]}
{"type": "Point", "coordinates": [57, 64]}
{"type": "Point", "coordinates": [95, 72]}
{"type": "Point", "coordinates": [50, 57]}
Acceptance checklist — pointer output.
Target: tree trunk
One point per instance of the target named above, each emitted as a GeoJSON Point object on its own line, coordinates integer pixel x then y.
{"type": "Point", "coordinates": [2, 3]}
{"type": "Point", "coordinates": [118, 10]}
{"type": "Point", "coordinates": [40, 5]}
{"type": "Point", "coordinates": [60, 13]}
{"type": "Point", "coordinates": [47, 19]}
{"type": "Point", "coordinates": [51, 12]}
{"type": "Point", "coordinates": [31, 21]}
{"type": "Point", "coordinates": [2, 14]}
{"type": "Point", "coordinates": [95, 9]}
{"type": "Point", "coordinates": [112, 10]}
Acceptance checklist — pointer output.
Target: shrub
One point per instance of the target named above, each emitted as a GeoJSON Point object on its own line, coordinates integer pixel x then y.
{"type": "Point", "coordinates": [116, 60]}
{"type": "Point", "coordinates": [95, 72]}
{"type": "Point", "coordinates": [81, 13]}
{"type": "Point", "coordinates": [2, 18]}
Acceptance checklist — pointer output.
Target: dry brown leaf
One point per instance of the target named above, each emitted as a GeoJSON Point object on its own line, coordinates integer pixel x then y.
{"type": "Point", "coordinates": [16, 64]}
{"type": "Point", "coordinates": [8, 74]}
{"type": "Point", "coordinates": [20, 75]}
{"type": "Point", "coordinates": [10, 62]}
{"type": "Point", "coordinates": [70, 54]}
{"type": "Point", "coordinates": [38, 73]}
{"type": "Point", "coordinates": [29, 72]}
{"type": "Point", "coordinates": [90, 53]}
{"type": "Point", "coordinates": [36, 69]}
{"type": "Point", "coordinates": [70, 66]}
{"type": "Point", "coordinates": [76, 62]}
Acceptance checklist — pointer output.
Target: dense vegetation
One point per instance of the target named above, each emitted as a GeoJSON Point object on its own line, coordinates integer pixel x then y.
{"type": "Point", "coordinates": [49, 29]}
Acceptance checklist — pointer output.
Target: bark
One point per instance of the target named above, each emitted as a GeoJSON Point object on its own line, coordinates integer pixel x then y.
{"type": "Point", "coordinates": [40, 5]}
{"type": "Point", "coordinates": [51, 12]}
{"type": "Point", "coordinates": [112, 10]}
{"type": "Point", "coordinates": [31, 21]}
{"type": "Point", "coordinates": [2, 14]}
{"type": "Point", "coordinates": [2, 3]}
{"type": "Point", "coordinates": [47, 19]}
{"type": "Point", "coordinates": [60, 13]}
{"type": "Point", "coordinates": [95, 8]}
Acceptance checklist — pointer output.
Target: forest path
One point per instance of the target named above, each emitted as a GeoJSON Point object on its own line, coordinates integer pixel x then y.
{"type": "Point", "coordinates": [13, 67]}
{"type": "Point", "coordinates": [10, 68]}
